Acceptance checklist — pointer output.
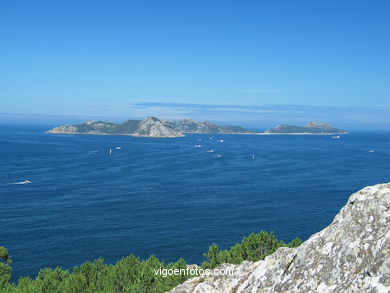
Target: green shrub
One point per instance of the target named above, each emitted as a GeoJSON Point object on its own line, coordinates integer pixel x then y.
{"type": "Point", "coordinates": [5, 267]}
{"type": "Point", "coordinates": [130, 274]}
{"type": "Point", "coordinates": [254, 247]}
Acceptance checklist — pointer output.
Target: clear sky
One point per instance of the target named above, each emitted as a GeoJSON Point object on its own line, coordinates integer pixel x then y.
{"type": "Point", "coordinates": [74, 57]}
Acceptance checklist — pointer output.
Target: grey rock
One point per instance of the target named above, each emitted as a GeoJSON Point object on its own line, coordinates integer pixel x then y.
{"type": "Point", "coordinates": [318, 125]}
{"type": "Point", "coordinates": [351, 255]}
{"type": "Point", "coordinates": [151, 126]}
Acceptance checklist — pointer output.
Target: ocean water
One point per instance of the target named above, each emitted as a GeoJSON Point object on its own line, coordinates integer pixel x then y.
{"type": "Point", "coordinates": [168, 198]}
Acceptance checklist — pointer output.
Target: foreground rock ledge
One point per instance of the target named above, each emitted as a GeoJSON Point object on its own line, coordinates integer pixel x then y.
{"type": "Point", "coordinates": [352, 254]}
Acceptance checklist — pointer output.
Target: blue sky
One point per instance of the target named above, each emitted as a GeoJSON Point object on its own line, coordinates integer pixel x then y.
{"type": "Point", "coordinates": [102, 57]}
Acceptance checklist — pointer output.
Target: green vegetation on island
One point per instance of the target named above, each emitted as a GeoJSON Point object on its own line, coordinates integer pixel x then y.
{"type": "Point", "coordinates": [149, 127]}
{"type": "Point", "coordinates": [130, 274]}
{"type": "Point", "coordinates": [193, 126]}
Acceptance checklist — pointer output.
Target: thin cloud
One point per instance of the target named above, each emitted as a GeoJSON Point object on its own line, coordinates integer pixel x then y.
{"type": "Point", "coordinates": [260, 91]}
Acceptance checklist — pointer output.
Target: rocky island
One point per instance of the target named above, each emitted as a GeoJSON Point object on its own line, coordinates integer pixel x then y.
{"type": "Point", "coordinates": [310, 128]}
{"type": "Point", "coordinates": [351, 255]}
{"type": "Point", "coordinates": [192, 126]}
{"type": "Point", "coordinates": [148, 127]}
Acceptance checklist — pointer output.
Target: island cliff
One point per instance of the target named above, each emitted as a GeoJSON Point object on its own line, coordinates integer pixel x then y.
{"type": "Point", "coordinates": [351, 255]}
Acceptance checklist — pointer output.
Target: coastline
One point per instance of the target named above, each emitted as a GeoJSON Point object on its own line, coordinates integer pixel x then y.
{"type": "Point", "coordinates": [235, 133]}
{"type": "Point", "coordinates": [125, 134]}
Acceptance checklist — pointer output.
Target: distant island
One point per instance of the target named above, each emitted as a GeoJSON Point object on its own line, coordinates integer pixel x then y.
{"type": "Point", "coordinates": [148, 127]}
{"type": "Point", "coordinates": [192, 126]}
{"type": "Point", "coordinates": [153, 127]}
{"type": "Point", "coordinates": [310, 128]}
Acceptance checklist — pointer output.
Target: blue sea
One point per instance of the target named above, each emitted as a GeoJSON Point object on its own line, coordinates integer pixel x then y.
{"type": "Point", "coordinates": [167, 197]}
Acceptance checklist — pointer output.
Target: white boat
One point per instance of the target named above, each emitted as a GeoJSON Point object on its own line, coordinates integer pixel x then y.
{"type": "Point", "coordinates": [23, 182]}
{"type": "Point", "coordinates": [371, 151]}
{"type": "Point", "coordinates": [118, 148]}
{"type": "Point", "coordinates": [221, 140]}
{"type": "Point", "coordinates": [198, 146]}
{"type": "Point", "coordinates": [336, 136]}
{"type": "Point", "coordinates": [210, 151]}
{"type": "Point", "coordinates": [218, 156]}
{"type": "Point", "coordinates": [110, 152]}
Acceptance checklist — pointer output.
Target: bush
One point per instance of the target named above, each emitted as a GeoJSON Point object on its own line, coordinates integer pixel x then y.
{"type": "Point", "coordinates": [254, 247]}
{"type": "Point", "coordinates": [5, 267]}
{"type": "Point", "coordinates": [130, 274]}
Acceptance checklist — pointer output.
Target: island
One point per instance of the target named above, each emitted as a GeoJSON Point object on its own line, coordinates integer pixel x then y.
{"type": "Point", "coordinates": [319, 128]}
{"type": "Point", "coordinates": [149, 127]}
{"type": "Point", "coordinates": [193, 126]}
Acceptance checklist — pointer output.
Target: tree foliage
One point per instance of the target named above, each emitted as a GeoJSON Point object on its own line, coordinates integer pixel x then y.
{"type": "Point", "coordinates": [254, 247]}
{"type": "Point", "coordinates": [130, 274]}
{"type": "Point", "coordinates": [5, 266]}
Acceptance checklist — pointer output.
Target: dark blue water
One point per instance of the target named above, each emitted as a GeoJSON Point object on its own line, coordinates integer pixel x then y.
{"type": "Point", "coordinates": [168, 198]}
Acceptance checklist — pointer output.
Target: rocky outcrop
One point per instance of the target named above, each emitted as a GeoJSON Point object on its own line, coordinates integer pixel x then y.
{"type": "Point", "coordinates": [149, 127]}
{"type": "Point", "coordinates": [351, 255]}
{"type": "Point", "coordinates": [309, 128]}
{"type": "Point", "coordinates": [193, 126]}
{"type": "Point", "coordinates": [318, 125]}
